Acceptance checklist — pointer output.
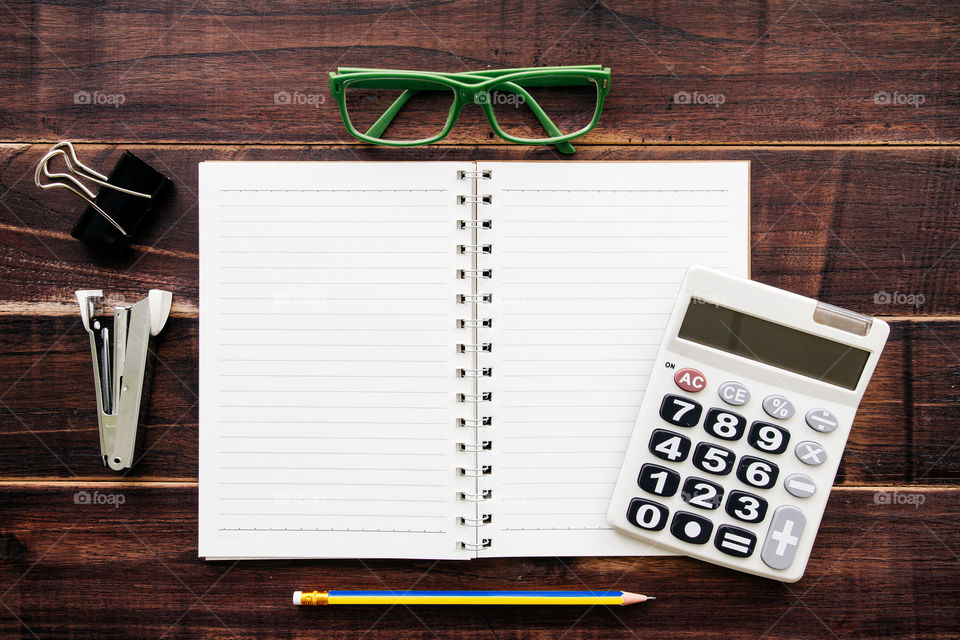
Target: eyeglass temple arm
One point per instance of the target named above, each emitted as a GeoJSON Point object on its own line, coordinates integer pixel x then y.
{"type": "Point", "coordinates": [378, 127]}
{"type": "Point", "coordinates": [545, 121]}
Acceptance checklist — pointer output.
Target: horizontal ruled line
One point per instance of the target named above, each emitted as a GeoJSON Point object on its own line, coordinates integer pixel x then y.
{"type": "Point", "coordinates": [372, 205]}
{"type": "Point", "coordinates": [526, 190]}
{"type": "Point", "coordinates": [353, 252]}
{"type": "Point", "coordinates": [333, 344]}
{"type": "Point", "coordinates": [313, 375]}
{"type": "Point", "coordinates": [237, 437]}
{"type": "Point", "coordinates": [571, 406]}
{"type": "Point", "coordinates": [330, 530]}
{"type": "Point", "coordinates": [337, 515]}
{"type": "Point", "coordinates": [343, 268]}
{"type": "Point", "coordinates": [335, 484]}
{"type": "Point", "coordinates": [284, 314]}
{"type": "Point", "coordinates": [632, 205]}
{"type": "Point", "coordinates": [402, 361]}
{"type": "Point", "coordinates": [327, 499]}
{"type": "Point", "coordinates": [541, 452]}
{"type": "Point", "coordinates": [389, 424]}
{"type": "Point", "coordinates": [577, 360]}
{"type": "Point", "coordinates": [601, 252]}
{"type": "Point", "coordinates": [556, 437]}
{"type": "Point", "coordinates": [605, 237]}
{"type": "Point", "coordinates": [583, 313]}
{"type": "Point", "coordinates": [345, 190]}
{"type": "Point", "coordinates": [571, 375]}
{"type": "Point", "coordinates": [298, 329]}
{"type": "Point", "coordinates": [294, 299]}
{"type": "Point", "coordinates": [324, 237]}
{"type": "Point", "coordinates": [245, 468]}
{"type": "Point", "coordinates": [333, 453]}
{"type": "Point", "coordinates": [559, 483]}
{"type": "Point", "coordinates": [317, 406]}
{"type": "Point", "coordinates": [325, 283]}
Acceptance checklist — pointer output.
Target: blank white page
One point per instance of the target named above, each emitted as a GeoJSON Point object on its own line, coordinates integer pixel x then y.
{"type": "Point", "coordinates": [587, 260]}
{"type": "Point", "coordinates": [327, 360]}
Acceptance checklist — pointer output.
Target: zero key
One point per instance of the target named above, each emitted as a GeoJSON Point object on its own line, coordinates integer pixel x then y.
{"type": "Point", "coordinates": [690, 380]}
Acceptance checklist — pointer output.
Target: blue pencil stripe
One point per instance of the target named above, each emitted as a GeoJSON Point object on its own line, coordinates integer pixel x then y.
{"type": "Point", "coordinates": [538, 594]}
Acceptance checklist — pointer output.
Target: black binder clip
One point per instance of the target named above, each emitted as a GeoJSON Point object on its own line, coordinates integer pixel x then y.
{"type": "Point", "coordinates": [111, 217]}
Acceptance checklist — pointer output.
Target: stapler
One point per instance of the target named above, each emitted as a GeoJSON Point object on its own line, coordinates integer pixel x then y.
{"type": "Point", "coordinates": [119, 346]}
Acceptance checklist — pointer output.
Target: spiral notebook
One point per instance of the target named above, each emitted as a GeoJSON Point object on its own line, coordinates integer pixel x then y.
{"type": "Point", "coordinates": [437, 359]}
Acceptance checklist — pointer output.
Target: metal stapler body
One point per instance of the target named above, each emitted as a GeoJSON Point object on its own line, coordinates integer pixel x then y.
{"type": "Point", "coordinates": [119, 347]}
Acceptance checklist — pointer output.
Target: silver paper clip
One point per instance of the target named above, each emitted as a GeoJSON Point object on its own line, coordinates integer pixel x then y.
{"type": "Point", "coordinates": [119, 347]}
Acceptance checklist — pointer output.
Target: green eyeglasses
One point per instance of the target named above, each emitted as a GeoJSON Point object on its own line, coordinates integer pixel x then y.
{"type": "Point", "coordinates": [536, 105]}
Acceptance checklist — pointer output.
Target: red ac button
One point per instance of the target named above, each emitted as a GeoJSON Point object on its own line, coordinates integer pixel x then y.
{"type": "Point", "coordinates": [690, 380]}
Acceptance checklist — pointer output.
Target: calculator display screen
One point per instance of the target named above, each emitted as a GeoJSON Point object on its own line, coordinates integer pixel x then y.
{"type": "Point", "coordinates": [771, 343]}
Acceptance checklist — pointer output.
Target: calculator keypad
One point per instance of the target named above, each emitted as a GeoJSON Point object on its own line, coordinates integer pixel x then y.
{"type": "Point", "coordinates": [737, 446]}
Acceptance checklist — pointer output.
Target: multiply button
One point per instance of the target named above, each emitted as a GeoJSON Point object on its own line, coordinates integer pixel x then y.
{"type": "Point", "coordinates": [821, 420]}
{"type": "Point", "coordinates": [783, 536]}
{"type": "Point", "coordinates": [690, 380]}
{"type": "Point", "coordinates": [734, 393]}
{"type": "Point", "coordinates": [810, 453]}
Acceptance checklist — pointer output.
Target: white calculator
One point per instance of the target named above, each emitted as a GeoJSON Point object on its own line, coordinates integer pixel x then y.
{"type": "Point", "coordinates": [743, 423]}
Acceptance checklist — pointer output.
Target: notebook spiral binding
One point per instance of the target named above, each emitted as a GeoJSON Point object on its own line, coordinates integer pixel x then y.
{"type": "Point", "coordinates": [475, 248]}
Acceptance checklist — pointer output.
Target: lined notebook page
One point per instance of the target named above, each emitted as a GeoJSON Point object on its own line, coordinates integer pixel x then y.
{"type": "Point", "coordinates": [587, 260]}
{"type": "Point", "coordinates": [327, 367]}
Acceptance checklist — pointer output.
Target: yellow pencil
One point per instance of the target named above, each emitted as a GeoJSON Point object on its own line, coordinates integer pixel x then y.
{"type": "Point", "coordinates": [322, 598]}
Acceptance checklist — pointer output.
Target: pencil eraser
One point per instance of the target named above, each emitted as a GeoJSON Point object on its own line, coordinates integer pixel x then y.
{"type": "Point", "coordinates": [296, 597]}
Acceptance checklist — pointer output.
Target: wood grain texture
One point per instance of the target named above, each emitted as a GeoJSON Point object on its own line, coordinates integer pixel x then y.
{"type": "Point", "coordinates": [900, 559]}
{"type": "Point", "coordinates": [849, 113]}
{"type": "Point", "coordinates": [787, 71]}
{"type": "Point", "coordinates": [843, 225]}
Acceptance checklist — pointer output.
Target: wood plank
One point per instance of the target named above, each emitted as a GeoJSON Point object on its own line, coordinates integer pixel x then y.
{"type": "Point", "coordinates": [208, 72]}
{"type": "Point", "coordinates": [850, 226]}
{"type": "Point", "coordinates": [123, 564]}
{"type": "Point", "coordinates": [906, 429]}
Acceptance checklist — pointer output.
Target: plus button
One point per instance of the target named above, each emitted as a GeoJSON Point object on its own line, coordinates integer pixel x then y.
{"type": "Point", "coordinates": [784, 538]}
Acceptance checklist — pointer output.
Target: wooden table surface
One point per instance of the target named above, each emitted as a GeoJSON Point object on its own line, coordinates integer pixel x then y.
{"type": "Point", "coordinates": [849, 112]}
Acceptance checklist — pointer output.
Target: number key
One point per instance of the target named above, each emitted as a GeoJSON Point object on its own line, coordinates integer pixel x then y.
{"type": "Point", "coordinates": [668, 445]}
{"type": "Point", "coordinates": [680, 411]}
{"type": "Point", "coordinates": [768, 438]}
{"type": "Point", "coordinates": [757, 472]}
{"type": "Point", "coordinates": [713, 459]}
{"type": "Point", "coordinates": [746, 506]}
{"type": "Point", "coordinates": [647, 514]}
{"type": "Point", "coordinates": [658, 480]}
{"type": "Point", "coordinates": [701, 493]}
{"type": "Point", "coordinates": [725, 425]}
